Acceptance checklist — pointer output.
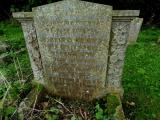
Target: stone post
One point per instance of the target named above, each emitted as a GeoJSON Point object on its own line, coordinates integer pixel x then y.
{"type": "Point", "coordinates": [26, 20]}
{"type": "Point", "coordinates": [119, 37]}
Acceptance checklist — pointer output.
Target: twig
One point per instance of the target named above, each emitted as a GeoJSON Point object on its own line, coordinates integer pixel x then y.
{"type": "Point", "coordinates": [81, 113]}
{"type": "Point", "coordinates": [63, 105]}
{"type": "Point", "coordinates": [37, 109]}
{"type": "Point", "coordinates": [5, 80]}
{"type": "Point", "coordinates": [30, 118]}
{"type": "Point", "coordinates": [5, 95]}
{"type": "Point", "coordinates": [20, 69]}
{"type": "Point", "coordinates": [85, 115]}
{"type": "Point", "coordinates": [38, 117]}
{"type": "Point", "coordinates": [69, 115]}
{"type": "Point", "coordinates": [16, 69]}
{"type": "Point", "coordinates": [34, 105]}
{"type": "Point", "coordinates": [14, 113]}
{"type": "Point", "coordinates": [21, 50]}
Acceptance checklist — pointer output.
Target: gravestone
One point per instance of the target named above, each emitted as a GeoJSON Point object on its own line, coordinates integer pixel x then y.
{"type": "Point", "coordinates": [77, 48]}
{"type": "Point", "coordinates": [134, 30]}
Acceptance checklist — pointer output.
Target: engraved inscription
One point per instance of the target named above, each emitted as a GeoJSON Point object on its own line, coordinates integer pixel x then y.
{"type": "Point", "coordinates": [76, 52]}
{"type": "Point", "coordinates": [74, 49]}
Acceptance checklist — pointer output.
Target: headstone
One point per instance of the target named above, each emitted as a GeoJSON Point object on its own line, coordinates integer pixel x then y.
{"type": "Point", "coordinates": [77, 48]}
{"type": "Point", "coordinates": [134, 30]}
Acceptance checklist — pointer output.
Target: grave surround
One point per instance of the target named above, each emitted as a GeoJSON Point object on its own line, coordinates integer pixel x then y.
{"type": "Point", "coordinates": [77, 48]}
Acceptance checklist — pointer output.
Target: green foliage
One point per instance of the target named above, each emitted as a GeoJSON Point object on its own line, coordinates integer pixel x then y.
{"type": "Point", "coordinates": [9, 111]}
{"type": "Point", "coordinates": [14, 37]}
{"type": "Point", "coordinates": [39, 87]}
{"type": "Point", "coordinates": [74, 117]}
{"type": "Point", "coordinates": [23, 66]}
{"type": "Point", "coordinates": [112, 103]}
{"type": "Point", "coordinates": [2, 91]}
{"type": "Point", "coordinates": [141, 77]}
{"type": "Point", "coordinates": [18, 88]}
{"type": "Point", "coordinates": [100, 114]}
{"type": "Point", "coordinates": [53, 114]}
{"type": "Point", "coordinates": [15, 72]}
{"type": "Point", "coordinates": [148, 35]}
{"type": "Point", "coordinates": [12, 34]}
{"type": "Point", "coordinates": [9, 98]}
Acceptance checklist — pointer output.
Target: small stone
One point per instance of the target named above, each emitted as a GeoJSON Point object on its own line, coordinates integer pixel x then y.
{"type": "Point", "coordinates": [3, 47]}
{"type": "Point", "coordinates": [131, 103]}
{"type": "Point", "coordinates": [4, 58]}
{"type": "Point", "coordinates": [158, 41]}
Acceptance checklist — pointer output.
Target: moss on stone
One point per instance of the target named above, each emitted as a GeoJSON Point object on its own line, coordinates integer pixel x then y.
{"type": "Point", "coordinates": [119, 115]}
{"type": "Point", "coordinates": [112, 102]}
{"type": "Point", "coordinates": [114, 107]}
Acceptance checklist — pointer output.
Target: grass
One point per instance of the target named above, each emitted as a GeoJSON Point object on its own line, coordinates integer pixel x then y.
{"type": "Point", "coordinates": [141, 77]}
{"type": "Point", "coordinates": [14, 73]}
{"type": "Point", "coordinates": [13, 36]}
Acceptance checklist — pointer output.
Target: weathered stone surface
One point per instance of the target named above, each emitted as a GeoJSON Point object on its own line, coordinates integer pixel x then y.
{"type": "Point", "coordinates": [33, 48]}
{"type": "Point", "coordinates": [118, 44]}
{"type": "Point", "coordinates": [117, 54]}
{"type": "Point", "coordinates": [70, 48]}
{"type": "Point", "coordinates": [134, 30]}
{"type": "Point", "coordinates": [74, 44]}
